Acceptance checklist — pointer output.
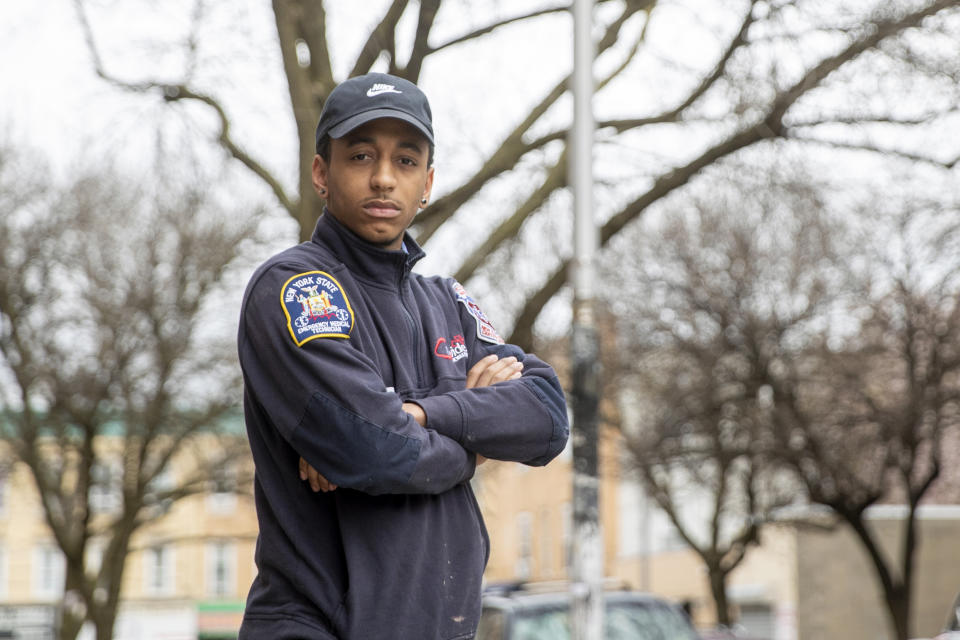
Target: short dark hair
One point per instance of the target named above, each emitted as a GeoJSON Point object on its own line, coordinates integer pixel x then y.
{"type": "Point", "coordinates": [323, 150]}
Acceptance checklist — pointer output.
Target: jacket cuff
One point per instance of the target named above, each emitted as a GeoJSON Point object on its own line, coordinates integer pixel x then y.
{"type": "Point", "coordinates": [443, 416]}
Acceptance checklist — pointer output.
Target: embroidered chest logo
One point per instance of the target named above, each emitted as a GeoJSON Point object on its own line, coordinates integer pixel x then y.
{"type": "Point", "coordinates": [316, 307]}
{"type": "Point", "coordinates": [485, 330]}
{"type": "Point", "coordinates": [454, 350]}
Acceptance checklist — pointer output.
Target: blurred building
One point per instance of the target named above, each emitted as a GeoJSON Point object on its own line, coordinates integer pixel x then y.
{"type": "Point", "coordinates": [189, 570]}
{"type": "Point", "coordinates": [186, 577]}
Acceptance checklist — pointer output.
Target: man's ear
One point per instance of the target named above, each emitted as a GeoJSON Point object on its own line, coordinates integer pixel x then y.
{"type": "Point", "coordinates": [320, 176]}
{"type": "Point", "coordinates": [428, 187]}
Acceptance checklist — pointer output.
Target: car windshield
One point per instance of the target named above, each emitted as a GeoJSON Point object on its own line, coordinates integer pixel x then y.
{"type": "Point", "coordinates": [623, 621]}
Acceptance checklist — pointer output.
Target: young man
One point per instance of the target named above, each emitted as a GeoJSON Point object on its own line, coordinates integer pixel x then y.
{"type": "Point", "coordinates": [371, 394]}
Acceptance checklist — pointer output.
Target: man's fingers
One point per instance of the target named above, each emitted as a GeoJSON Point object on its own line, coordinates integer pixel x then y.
{"type": "Point", "coordinates": [416, 411]}
{"type": "Point", "coordinates": [512, 372]}
{"type": "Point", "coordinates": [316, 480]}
{"type": "Point", "coordinates": [476, 370]}
{"type": "Point", "coordinates": [499, 371]}
{"type": "Point", "coordinates": [324, 484]}
{"type": "Point", "coordinates": [313, 478]}
{"type": "Point", "coordinates": [491, 370]}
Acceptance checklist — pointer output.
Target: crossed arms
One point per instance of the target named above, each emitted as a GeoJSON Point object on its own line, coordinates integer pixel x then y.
{"type": "Point", "coordinates": [487, 371]}
{"type": "Point", "coordinates": [327, 399]}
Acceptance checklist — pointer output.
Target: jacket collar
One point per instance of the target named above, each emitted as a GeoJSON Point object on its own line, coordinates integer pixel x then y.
{"type": "Point", "coordinates": [362, 258]}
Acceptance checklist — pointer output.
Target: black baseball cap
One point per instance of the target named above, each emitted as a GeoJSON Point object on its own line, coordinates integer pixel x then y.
{"type": "Point", "coordinates": [368, 97]}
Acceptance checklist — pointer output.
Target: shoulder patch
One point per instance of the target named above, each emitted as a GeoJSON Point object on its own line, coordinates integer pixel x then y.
{"type": "Point", "coordinates": [485, 330]}
{"type": "Point", "coordinates": [316, 307]}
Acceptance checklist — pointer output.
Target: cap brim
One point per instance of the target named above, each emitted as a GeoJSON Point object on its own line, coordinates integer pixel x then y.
{"type": "Point", "coordinates": [343, 128]}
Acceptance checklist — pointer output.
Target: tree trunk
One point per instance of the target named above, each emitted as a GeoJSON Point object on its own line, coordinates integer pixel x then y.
{"type": "Point", "coordinates": [307, 212]}
{"type": "Point", "coordinates": [898, 607]}
{"type": "Point", "coordinates": [70, 625]}
{"type": "Point", "coordinates": [104, 613]}
{"type": "Point", "coordinates": [896, 592]}
{"type": "Point", "coordinates": [718, 589]}
{"type": "Point", "coordinates": [104, 621]}
{"type": "Point", "coordinates": [72, 613]}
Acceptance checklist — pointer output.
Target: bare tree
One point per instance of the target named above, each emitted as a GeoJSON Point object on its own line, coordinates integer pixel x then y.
{"type": "Point", "coordinates": [810, 73]}
{"type": "Point", "coordinates": [716, 289]}
{"type": "Point", "coordinates": [780, 338]}
{"type": "Point", "coordinates": [112, 362]}
{"type": "Point", "coordinates": [866, 415]}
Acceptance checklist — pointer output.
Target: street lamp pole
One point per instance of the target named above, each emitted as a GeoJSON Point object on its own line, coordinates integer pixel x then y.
{"type": "Point", "coordinates": [587, 565]}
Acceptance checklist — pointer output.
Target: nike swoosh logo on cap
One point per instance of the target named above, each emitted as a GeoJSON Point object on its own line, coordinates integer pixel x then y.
{"type": "Point", "coordinates": [379, 89]}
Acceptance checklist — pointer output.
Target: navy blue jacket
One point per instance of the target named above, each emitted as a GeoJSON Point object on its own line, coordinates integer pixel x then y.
{"type": "Point", "coordinates": [335, 335]}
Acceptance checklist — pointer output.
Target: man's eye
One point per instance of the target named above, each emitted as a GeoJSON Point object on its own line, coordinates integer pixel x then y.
{"type": "Point", "coordinates": [408, 161]}
{"type": "Point", "coordinates": [361, 156]}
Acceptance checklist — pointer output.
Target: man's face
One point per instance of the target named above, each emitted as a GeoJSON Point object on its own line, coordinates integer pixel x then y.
{"type": "Point", "coordinates": [375, 179]}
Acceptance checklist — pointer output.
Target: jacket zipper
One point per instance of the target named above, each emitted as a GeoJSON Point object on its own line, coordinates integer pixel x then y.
{"type": "Point", "coordinates": [414, 334]}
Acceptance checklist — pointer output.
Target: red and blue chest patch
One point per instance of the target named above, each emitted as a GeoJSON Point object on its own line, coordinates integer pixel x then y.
{"type": "Point", "coordinates": [485, 330]}
{"type": "Point", "coordinates": [316, 307]}
{"type": "Point", "coordinates": [453, 349]}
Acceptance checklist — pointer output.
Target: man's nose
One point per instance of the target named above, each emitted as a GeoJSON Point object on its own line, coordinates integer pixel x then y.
{"type": "Point", "coordinates": [383, 178]}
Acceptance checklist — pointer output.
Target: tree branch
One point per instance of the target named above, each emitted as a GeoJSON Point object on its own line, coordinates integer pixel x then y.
{"type": "Point", "coordinates": [878, 32]}
{"type": "Point", "coordinates": [556, 179]}
{"type": "Point", "coordinates": [379, 39]}
{"type": "Point", "coordinates": [739, 40]}
{"type": "Point", "coordinates": [925, 118]}
{"type": "Point", "coordinates": [482, 31]}
{"type": "Point", "coordinates": [172, 93]}
{"type": "Point", "coordinates": [175, 92]}
{"type": "Point", "coordinates": [854, 146]}
{"type": "Point", "coordinates": [771, 126]}
{"type": "Point", "coordinates": [421, 47]}
{"type": "Point", "coordinates": [512, 148]}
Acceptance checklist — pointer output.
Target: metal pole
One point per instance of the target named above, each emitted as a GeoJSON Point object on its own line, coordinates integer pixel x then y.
{"type": "Point", "coordinates": [587, 570]}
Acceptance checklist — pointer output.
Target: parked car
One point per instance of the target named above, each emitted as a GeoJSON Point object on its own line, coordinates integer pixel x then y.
{"type": "Point", "coordinates": [953, 620]}
{"type": "Point", "coordinates": [531, 612]}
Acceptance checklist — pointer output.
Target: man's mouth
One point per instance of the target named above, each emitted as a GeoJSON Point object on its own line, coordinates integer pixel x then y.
{"type": "Point", "coordinates": [381, 208]}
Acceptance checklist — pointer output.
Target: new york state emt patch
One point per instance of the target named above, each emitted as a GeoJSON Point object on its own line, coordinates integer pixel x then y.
{"type": "Point", "coordinates": [316, 307]}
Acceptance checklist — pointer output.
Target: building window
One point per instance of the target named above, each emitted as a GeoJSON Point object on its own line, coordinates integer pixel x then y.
{"type": "Point", "coordinates": [633, 515]}
{"type": "Point", "coordinates": [49, 572]}
{"type": "Point", "coordinates": [546, 543]}
{"type": "Point", "coordinates": [222, 499]}
{"type": "Point", "coordinates": [158, 490]}
{"type": "Point", "coordinates": [159, 570]}
{"type": "Point", "coordinates": [106, 492]}
{"type": "Point", "coordinates": [567, 516]}
{"type": "Point", "coordinates": [524, 545]}
{"type": "Point", "coordinates": [221, 569]}
{"type": "Point", "coordinates": [756, 620]}
{"type": "Point", "coordinates": [93, 556]}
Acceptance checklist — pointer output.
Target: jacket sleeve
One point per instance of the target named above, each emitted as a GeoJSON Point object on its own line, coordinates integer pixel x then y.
{"type": "Point", "coordinates": [328, 401]}
{"type": "Point", "coordinates": [523, 420]}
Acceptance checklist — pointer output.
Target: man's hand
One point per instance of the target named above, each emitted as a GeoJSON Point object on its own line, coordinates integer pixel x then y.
{"type": "Point", "coordinates": [491, 370]}
{"type": "Point", "coordinates": [416, 411]}
{"type": "Point", "coordinates": [317, 481]}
